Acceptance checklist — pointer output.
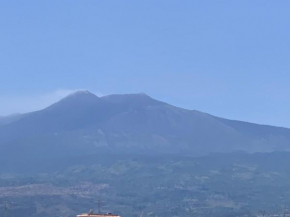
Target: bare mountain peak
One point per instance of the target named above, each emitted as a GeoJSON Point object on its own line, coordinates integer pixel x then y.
{"type": "Point", "coordinates": [137, 99]}
{"type": "Point", "coordinates": [142, 94]}
{"type": "Point", "coordinates": [127, 95]}
{"type": "Point", "coordinates": [81, 92]}
{"type": "Point", "coordinates": [80, 95]}
{"type": "Point", "coordinates": [79, 98]}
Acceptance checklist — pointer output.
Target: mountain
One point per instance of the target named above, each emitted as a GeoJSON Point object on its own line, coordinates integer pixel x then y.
{"type": "Point", "coordinates": [4, 120]}
{"type": "Point", "coordinates": [83, 123]}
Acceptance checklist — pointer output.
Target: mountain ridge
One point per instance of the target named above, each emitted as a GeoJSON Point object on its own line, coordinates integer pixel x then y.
{"type": "Point", "coordinates": [134, 123]}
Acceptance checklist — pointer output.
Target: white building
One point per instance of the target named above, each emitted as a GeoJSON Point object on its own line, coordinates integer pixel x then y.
{"type": "Point", "coordinates": [91, 214]}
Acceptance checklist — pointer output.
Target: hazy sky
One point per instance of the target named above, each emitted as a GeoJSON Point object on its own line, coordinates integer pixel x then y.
{"type": "Point", "coordinates": [227, 58]}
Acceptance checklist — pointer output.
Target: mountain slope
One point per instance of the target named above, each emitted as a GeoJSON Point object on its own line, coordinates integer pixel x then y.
{"type": "Point", "coordinates": [132, 123]}
{"type": "Point", "coordinates": [4, 120]}
{"type": "Point", "coordinates": [76, 111]}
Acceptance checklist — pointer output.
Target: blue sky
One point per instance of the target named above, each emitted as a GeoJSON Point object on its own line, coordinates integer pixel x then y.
{"type": "Point", "coordinates": [226, 58]}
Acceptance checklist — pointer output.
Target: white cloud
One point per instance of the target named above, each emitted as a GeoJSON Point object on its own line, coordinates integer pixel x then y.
{"type": "Point", "coordinates": [21, 104]}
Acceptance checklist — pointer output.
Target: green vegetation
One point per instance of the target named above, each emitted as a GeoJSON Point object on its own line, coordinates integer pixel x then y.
{"type": "Point", "coordinates": [217, 185]}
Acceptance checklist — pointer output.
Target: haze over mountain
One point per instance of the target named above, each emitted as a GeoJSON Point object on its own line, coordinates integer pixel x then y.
{"type": "Point", "coordinates": [83, 123]}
